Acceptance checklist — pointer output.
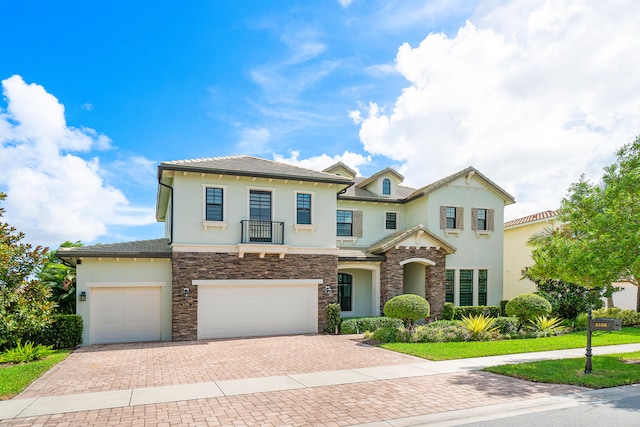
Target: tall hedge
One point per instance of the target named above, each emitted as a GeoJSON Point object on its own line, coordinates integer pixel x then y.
{"type": "Point", "coordinates": [64, 332]}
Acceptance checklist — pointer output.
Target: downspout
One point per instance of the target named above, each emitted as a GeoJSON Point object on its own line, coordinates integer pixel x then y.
{"type": "Point", "coordinates": [171, 212]}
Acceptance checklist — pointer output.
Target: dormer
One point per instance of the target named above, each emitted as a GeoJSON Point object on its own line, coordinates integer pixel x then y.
{"type": "Point", "coordinates": [342, 170]}
{"type": "Point", "coordinates": [383, 183]}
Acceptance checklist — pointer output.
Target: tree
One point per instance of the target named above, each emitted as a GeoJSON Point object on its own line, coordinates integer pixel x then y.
{"type": "Point", "coordinates": [408, 308]}
{"type": "Point", "coordinates": [601, 241]}
{"type": "Point", "coordinates": [25, 307]}
{"type": "Point", "coordinates": [61, 280]}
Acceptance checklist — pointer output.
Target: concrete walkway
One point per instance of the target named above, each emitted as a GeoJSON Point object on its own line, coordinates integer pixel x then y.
{"type": "Point", "coordinates": [50, 405]}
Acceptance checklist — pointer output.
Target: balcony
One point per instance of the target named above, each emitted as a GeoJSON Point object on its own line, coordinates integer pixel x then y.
{"type": "Point", "coordinates": [262, 232]}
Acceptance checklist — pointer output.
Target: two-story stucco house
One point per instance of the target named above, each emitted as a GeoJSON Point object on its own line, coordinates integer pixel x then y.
{"type": "Point", "coordinates": [255, 247]}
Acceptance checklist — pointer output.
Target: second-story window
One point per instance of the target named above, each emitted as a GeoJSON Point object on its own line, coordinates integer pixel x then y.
{"type": "Point", "coordinates": [386, 186]}
{"type": "Point", "coordinates": [344, 225]}
{"type": "Point", "coordinates": [303, 208]}
{"type": "Point", "coordinates": [390, 221]}
{"type": "Point", "coordinates": [214, 200]}
{"type": "Point", "coordinates": [451, 217]}
{"type": "Point", "coordinates": [482, 219]}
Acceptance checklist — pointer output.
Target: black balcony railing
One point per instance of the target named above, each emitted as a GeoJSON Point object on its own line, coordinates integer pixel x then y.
{"type": "Point", "coordinates": [269, 232]}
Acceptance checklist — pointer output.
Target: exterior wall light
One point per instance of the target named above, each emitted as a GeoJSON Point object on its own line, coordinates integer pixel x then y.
{"type": "Point", "coordinates": [328, 290]}
{"type": "Point", "coordinates": [83, 296]}
{"type": "Point", "coordinates": [185, 292]}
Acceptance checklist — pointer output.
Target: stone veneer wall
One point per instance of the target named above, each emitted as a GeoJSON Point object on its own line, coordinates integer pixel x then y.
{"type": "Point", "coordinates": [392, 276]}
{"type": "Point", "coordinates": [189, 266]}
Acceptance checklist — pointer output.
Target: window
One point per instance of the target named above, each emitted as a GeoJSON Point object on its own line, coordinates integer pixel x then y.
{"type": "Point", "coordinates": [482, 287]}
{"type": "Point", "coordinates": [214, 204]}
{"type": "Point", "coordinates": [344, 223]}
{"type": "Point", "coordinates": [259, 205]}
{"type": "Point", "coordinates": [345, 284]}
{"type": "Point", "coordinates": [466, 287]}
{"type": "Point", "coordinates": [390, 220]}
{"type": "Point", "coordinates": [303, 208]}
{"type": "Point", "coordinates": [449, 285]}
{"type": "Point", "coordinates": [482, 219]}
{"type": "Point", "coordinates": [451, 218]}
{"type": "Point", "coordinates": [386, 186]}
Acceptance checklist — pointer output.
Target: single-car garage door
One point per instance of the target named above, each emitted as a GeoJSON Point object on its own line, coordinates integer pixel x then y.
{"type": "Point", "coordinates": [125, 314]}
{"type": "Point", "coordinates": [256, 308]}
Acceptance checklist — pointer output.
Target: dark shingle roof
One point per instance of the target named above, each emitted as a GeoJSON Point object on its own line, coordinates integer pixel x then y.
{"type": "Point", "coordinates": [252, 166]}
{"type": "Point", "coordinates": [356, 192]}
{"type": "Point", "coordinates": [157, 248]}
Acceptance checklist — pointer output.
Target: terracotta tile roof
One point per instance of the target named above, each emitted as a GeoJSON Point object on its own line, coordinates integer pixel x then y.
{"type": "Point", "coordinates": [157, 248]}
{"type": "Point", "coordinates": [252, 166]}
{"type": "Point", "coordinates": [531, 218]}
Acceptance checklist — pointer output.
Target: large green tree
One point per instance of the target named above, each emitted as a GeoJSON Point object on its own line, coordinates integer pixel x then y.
{"type": "Point", "coordinates": [601, 240]}
{"type": "Point", "coordinates": [61, 280]}
{"type": "Point", "coordinates": [25, 307]}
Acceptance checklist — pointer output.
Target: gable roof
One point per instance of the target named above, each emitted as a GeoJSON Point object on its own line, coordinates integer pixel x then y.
{"type": "Point", "coordinates": [341, 166]}
{"type": "Point", "coordinates": [157, 248]}
{"type": "Point", "coordinates": [391, 240]}
{"type": "Point", "coordinates": [540, 216]}
{"type": "Point", "coordinates": [470, 171]}
{"type": "Point", "coordinates": [375, 176]}
{"type": "Point", "coordinates": [251, 166]}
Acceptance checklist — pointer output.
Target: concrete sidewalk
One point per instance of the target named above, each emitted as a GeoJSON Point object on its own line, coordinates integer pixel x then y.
{"type": "Point", "coordinates": [49, 405]}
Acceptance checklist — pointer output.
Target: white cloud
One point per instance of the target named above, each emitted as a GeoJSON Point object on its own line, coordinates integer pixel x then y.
{"type": "Point", "coordinates": [532, 93]}
{"type": "Point", "coordinates": [345, 3]}
{"type": "Point", "coordinates": [53, 195]}
{"type": "Point", "coordinates": [254, 141]}
{"type": "Point", "coordinates": [353, 160]}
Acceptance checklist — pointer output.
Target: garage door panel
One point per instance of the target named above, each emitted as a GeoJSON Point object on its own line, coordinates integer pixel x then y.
{"type": "Point", "coordinates": [126, 314]}
{"type": "Point", "coordinates": [237, 311]}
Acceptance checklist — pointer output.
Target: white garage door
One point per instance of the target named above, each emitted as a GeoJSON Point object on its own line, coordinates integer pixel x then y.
{"type": "Point", "coordinates": [256, 310]}
{"type": "Point", "coordinates": [125, 314]}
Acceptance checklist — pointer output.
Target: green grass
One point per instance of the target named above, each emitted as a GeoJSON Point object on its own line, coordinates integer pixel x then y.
{"type": "Point", "coordinates": [607, 371]}
{"type": "Point", "coordinates": [463, 350]}
{"type": "Point", "coordinates": [15, 378]}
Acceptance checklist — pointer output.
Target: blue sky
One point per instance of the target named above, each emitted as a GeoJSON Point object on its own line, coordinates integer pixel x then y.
{"type": "Point", "coordinates": [96, 94]}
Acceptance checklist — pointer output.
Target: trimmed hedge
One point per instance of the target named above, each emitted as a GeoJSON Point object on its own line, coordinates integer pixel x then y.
{"type": "Point", "coordinates": [408, 307]}
{"type": "Point", "coordinates": [452, 312]}
{"type": "Point", "coordinates": [333, 318]}
{"type": "Point", "coordinates": [527, 307]}
{"type": "Point", "coordinates": [65, 331]}
{"type": "Point", "coordinates": [359, 325]}
{"type": "Point", "coordinates": [503, 307]}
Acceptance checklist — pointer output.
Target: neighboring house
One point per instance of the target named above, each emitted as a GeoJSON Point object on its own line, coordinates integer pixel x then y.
{"type": "Point", "coordinates": [517, 255]}
{"type": "Point", "coordinates": [255, 247]}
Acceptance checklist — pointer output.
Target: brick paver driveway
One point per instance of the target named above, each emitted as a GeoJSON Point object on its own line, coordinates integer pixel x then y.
{"type": "Point", "coordinates": [125, 366]}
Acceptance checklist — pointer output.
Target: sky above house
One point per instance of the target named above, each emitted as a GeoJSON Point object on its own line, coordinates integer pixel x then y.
{"type": "Point", "coordinates": [96, 94]}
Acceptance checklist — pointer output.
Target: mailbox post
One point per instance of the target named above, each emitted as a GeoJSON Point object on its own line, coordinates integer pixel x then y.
{"type": "Point", "coordinates": [599, 324]}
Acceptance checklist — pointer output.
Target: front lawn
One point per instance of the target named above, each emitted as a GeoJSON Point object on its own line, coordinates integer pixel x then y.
{"type": "Point", "coordinates": [607, 371]}
{"type": "Point", "coordinates": [15, 378]}
{"type": "Point", "coordinates": [463, 350]}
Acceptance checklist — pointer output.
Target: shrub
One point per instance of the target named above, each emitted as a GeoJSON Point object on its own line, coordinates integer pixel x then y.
{"type": "Point", "coordinates": [507, 325]}
{"type": "Point", "coordinates": [503, 305]}
{"type": "Point", "coordinates": [408, 308]}
{"type": "Point", "coordinates": [546, 325]}
{"type": "Point", "coordinates": [65, 331]}
{"type": "Point", "coordinates": [448, 311]}
{"type": "Point", "coordinates": [444, 331]}
{"type": "Point", "coordinates": [581, 322]}
{"type": "Point", "coordinates": [630, 318]}
{"type": "Point", "coordinates": [358, 325]}
{"type": "Point", "coordinates": [528, 306]}
{"type": "Point", "coordinates": [476, 310]}
{"type": "Point", "coordinates": [387, 334]}
{"type": "Point", "coordinates": [333, 318]}
{"type": "Point", "coordinates": [25, 353]}
{"type": "Point", "coordinates": [480, 327]}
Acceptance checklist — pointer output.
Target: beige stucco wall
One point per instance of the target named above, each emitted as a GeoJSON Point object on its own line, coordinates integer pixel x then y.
{"type": "Point", "coordinates": [517, 255]}
{"type": "Point", "coordinates": [119, 272]}
{"type": "Point", "coordinates": [189, 203]}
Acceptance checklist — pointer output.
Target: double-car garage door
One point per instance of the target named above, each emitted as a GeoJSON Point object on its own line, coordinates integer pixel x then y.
{"type": "Point", "coordinates": [256, 308]}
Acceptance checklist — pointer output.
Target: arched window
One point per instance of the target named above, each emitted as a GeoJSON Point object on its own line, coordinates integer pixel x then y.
{"type": "Point", "coordinates": [386, 186]}
{"type": "Point", "coordinates": [345, 283]}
